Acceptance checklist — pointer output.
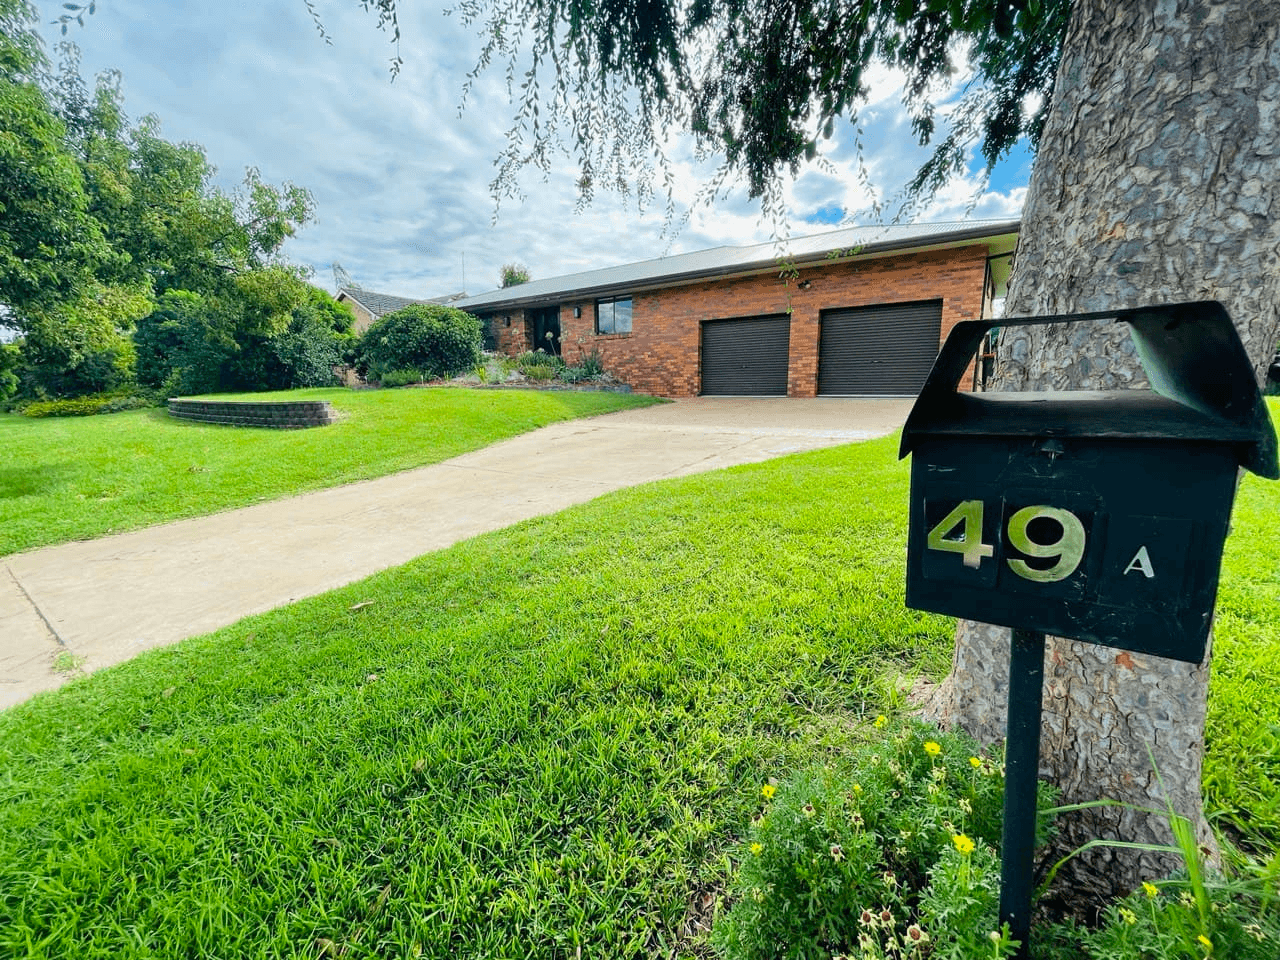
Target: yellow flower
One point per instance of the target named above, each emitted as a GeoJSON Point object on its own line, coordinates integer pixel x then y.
{"type": "Point", "coordinates": [1206, 942]}
{"type": "Point", "coordinates": [1150, 889]}
{"type": "Point", "coordinates": [975, 762]}
{"type": "Point", "coordinates": [963, 844]}
{"type": "Point", "coordinates": [756, 848]}
{"type": "Point", "coordinates": [880, 721]}
{"type": "Point", "coordinates": [931, 748]}
{"type": "Point", "coordinates": [857, 788]}
{"type": "Point", "coordinates": [768, 790]}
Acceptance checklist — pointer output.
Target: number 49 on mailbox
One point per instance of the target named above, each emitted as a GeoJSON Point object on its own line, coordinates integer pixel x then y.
{"type": "Point", "coordinates": [1098, 516]}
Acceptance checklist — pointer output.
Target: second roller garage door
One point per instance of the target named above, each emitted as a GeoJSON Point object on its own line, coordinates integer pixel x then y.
{"type": "Point", "coordinates": [881, 351]}
{"type": "Point", "coordinates": [745, 358]}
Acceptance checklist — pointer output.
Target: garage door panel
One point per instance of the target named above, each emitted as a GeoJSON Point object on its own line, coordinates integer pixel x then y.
{"type": "Point", "coordinates": [884, 350]}
{"type": "Point", "coordinates": [746, 357]}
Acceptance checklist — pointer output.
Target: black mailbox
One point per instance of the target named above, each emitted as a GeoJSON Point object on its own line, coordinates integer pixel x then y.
{"type": "Point", "coordinates": [1098, 516]}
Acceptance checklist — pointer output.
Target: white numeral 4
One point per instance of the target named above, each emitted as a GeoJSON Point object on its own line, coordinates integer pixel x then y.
{"type": "Point", "coordinates": [968, 518]}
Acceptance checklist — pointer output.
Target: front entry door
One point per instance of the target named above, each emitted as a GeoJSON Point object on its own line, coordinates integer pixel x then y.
{"type": "Point", "coordinates": [544, 329]}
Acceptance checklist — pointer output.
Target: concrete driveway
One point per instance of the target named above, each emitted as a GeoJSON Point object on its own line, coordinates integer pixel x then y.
{"type": "Point", "coordinates": [103, 601]}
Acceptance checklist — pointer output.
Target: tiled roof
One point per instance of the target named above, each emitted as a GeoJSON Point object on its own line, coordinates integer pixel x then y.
{"type": "Point", "coordinates": [377, 303]}
{"type": "Point", "coordinates": [380, 304]}
{"type": "Point", "coordinates": [723, 261]}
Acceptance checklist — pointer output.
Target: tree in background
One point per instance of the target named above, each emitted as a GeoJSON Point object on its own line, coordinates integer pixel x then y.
{"type": "Point", "coordinates": [50, 246]}
{"type": "Point", "coordinates": [274, 332]}
{"type": "Point", "coordinates": [1155, 132]}
{"type": "Point", "coordinates": [514, 274]}
{"type": "Point", "coordinates": [156, 201]}
{"type": "Point", "coordinates": [100, 216]}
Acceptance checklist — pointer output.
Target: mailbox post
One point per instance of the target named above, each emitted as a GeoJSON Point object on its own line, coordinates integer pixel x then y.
{"type": "Point", "coordinates": [1097, 516]}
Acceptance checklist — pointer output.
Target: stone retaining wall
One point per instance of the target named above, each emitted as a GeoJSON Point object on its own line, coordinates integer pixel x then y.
{"type": "Point", "coordinates": [280, 415]}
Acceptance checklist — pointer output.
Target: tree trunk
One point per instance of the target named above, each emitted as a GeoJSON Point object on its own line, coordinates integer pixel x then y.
{"type": "Point", "coordinates": [1155, 182]}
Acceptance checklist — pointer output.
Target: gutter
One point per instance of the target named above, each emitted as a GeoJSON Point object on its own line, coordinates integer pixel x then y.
{"type": "Point", "coordinates": [591, 291]}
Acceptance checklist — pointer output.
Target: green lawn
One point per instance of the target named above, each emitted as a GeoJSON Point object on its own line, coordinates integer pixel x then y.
{"type": "Point", "coordinates": [544, 739]}
{"type": "Point", "coordinates": [81, 477]}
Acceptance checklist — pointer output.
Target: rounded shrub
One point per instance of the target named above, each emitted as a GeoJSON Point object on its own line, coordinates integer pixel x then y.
{"type": "Point", "coordinates": [438, 341]}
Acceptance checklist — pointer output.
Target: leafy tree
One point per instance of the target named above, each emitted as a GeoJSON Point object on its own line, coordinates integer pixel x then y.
{"type": "Point", "coordinates": [514, 274]}
{"type": "Point", "coordinates": [10, 364]}
{"type": "Point", "coordinates": [292, 334]}
{"type": "Point", "coordinates": [186, 345]}
{"type": "Point", "coordinates": [85, 345]}
{"type": "Point", "coordinates": [97, 215]}
{"type": "Point", "coordinates": [1153, 124]}
{"type": "Point", "coordinates": [434, 340]}
{"type": "Point", "coordinates": [273, 331]}
{"type": "Point", "coordinates": [49, 244]}
{"type": "Point", "coordinates": [306, 351]}
{"type": "Point", "coordinates": [756, 82]}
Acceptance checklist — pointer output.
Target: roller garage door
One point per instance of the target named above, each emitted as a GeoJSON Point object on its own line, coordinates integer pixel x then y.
{"type": "Point", "coordinates": [745, 358]}
{"type": "Point", "coordinates": [880, 351]}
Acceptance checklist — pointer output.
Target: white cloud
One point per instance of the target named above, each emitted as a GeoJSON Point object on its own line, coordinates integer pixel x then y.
{"type": "Point", "coordinates": [401, 181]}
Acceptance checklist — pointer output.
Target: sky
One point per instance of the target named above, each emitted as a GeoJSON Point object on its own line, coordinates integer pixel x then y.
{"type": "Point", "coordinates": [401, 177]}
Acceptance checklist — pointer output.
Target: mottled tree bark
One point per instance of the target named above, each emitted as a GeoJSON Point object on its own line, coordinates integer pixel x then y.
{"type": "Point", "coordinates": [1157, 180]}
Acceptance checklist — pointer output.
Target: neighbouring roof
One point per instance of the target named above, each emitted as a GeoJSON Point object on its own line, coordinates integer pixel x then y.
{"type": "Point", "coordinates": [380, 304]}
{"type": "Point", "coordinates": [729, 261]}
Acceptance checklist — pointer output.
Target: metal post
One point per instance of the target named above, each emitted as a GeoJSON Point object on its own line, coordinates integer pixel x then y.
{"type": "Point", "coordinates": [1022, 766]}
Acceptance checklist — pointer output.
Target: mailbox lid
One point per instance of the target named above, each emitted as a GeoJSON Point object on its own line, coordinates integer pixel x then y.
{"type": "Point", "coordinates": [1115, 414]}
{"type": "Point", "coordinates": [1192, 356]}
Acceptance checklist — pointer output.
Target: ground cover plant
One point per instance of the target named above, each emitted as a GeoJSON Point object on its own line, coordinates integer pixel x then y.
{"type": "Point", "coordinates": [546, 740]}
{"type": "Point", "coordinates": [76, 478]}
{"type": "Point", "coordinates": [892, 853]}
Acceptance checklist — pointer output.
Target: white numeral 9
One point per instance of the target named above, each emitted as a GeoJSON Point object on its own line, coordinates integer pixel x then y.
{"type": "Point", "coordinates": [1068, 548]}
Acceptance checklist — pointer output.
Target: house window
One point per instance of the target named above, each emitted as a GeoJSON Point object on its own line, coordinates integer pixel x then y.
{"type": "Point", "coordinates": [613, 315]}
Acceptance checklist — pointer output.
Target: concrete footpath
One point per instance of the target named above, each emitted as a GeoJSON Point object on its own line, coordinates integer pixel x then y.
{"type": "Point", "coordinates": [99, 602]}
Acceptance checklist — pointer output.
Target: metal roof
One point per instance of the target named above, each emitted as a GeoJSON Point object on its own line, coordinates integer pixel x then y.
{"type": "Point", "coordinates": [728, 261]}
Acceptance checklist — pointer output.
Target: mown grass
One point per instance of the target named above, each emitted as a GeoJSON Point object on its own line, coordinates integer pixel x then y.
{"type": "Point", "coordinates": [1242, 760]}
{"type": "Point", "coordinates": [542, 740]}
{"type": "Point", "coordinates": [569, 723]}
{"type": "Point", "coordinates": [81, 477]}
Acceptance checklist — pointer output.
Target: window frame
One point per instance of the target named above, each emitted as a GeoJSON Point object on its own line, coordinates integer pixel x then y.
{"type": "Point", "coordinates": [611, 301]}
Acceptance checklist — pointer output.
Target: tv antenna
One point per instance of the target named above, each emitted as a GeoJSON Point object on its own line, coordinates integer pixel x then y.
{"type": "Point", "coordinates": [343, 279]}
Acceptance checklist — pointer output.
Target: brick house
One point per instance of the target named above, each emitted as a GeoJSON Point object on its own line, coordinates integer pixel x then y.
{"type": "Point", "coordinates": [854, 312]}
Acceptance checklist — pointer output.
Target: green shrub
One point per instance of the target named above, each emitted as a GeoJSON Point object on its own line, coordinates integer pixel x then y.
{"type": "Point", "coordinates": [434, 340]}
{"type": "Point", "coordinates": [134, 401]}
{"type": "Point", "coordinates": [590, 366]}
{"type": "Point", "coordinates": [1161, 922]}
{"type": "Point", "coordinates": [88, 406]}
{"type": "Point", "coordinates": [400, 378]}
{"type": "Point", "coordinates": [538, 358]}
{"type": "Point", "coordinates": [73, 407]}
{"type": "Point", "coordinates": [538, 365]}
{"type": "Point", "coordinates": [541, 371]}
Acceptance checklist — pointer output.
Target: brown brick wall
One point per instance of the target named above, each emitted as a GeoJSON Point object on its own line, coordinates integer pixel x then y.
{"type": "Point", "coordinates": [511, 338]}
{"type": "Point", "coordinates": [661, 354]}
{"type": "Point", "coordinates": [363, 317]}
